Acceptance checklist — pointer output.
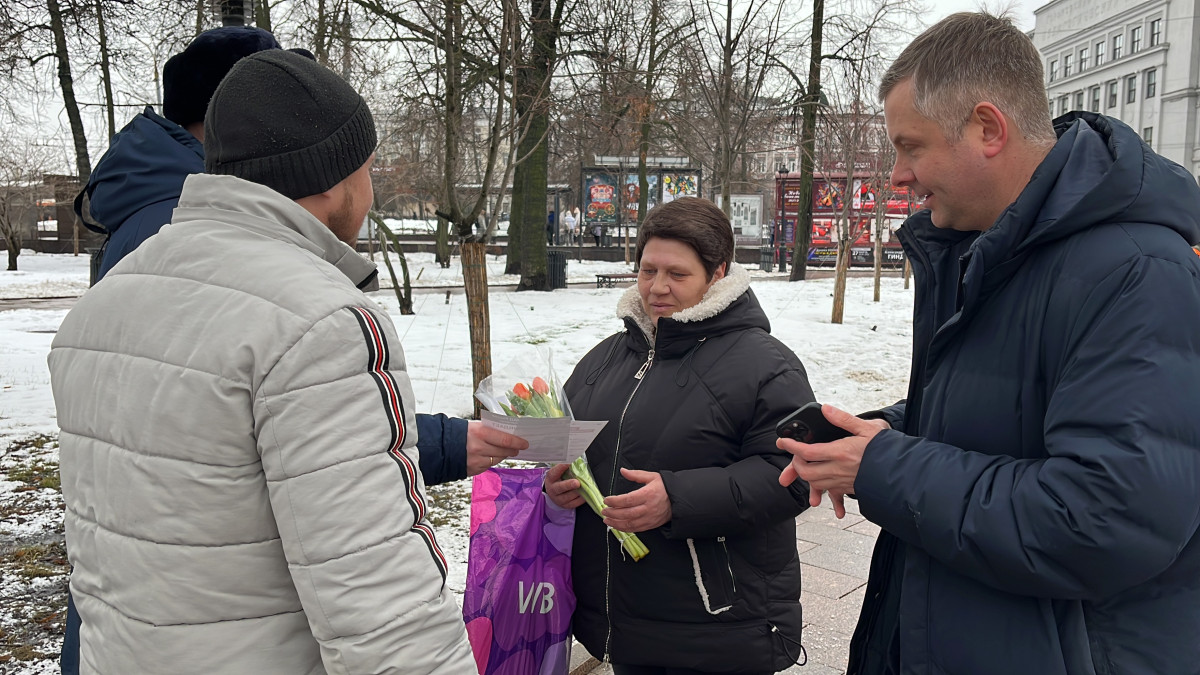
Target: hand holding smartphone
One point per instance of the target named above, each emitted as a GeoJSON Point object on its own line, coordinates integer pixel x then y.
{"type": "Point", "coordinates": [808, 425]}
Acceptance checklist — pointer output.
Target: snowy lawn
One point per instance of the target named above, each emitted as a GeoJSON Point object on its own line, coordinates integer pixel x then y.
{"type": "Point", "coordinates": [858, 365]}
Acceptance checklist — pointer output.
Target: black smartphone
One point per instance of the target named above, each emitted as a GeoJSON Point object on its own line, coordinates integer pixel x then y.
{"type": "Point", "coordinates": [808, 425]}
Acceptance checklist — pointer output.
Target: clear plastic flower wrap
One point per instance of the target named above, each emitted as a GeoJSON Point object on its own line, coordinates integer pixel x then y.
{"type": "Point", "coordinates": [528, 387]}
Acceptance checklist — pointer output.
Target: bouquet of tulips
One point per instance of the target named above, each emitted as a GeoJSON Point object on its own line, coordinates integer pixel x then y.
{"type": "Point", "coordinates": [542, 398]}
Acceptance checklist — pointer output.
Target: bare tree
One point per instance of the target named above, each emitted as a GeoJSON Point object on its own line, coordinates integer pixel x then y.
{"type": "Point", "coordinates": [854, 120]}
{"type": "Point", "coordinates": [734, 56]}
{"type": "Point", "coordinates": [622, 71]}
{"type": "Point", "coordinates": [882, 159]}
{"type": "Point", "coordinates": [21, 168]}
{"type": "Point", "coordinates": [460, 58]}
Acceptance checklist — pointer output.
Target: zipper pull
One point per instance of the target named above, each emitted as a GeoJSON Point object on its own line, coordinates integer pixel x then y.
{"type": "Point", "coordinates": [645, 366]}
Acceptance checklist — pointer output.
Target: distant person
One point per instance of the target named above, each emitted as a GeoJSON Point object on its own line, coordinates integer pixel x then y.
{"type": "Point", "coordinates": [1039, 489]}
{"type": "Point", "coordinates": [238, 453]}
{"type": "Point", "coordinates": [570, 223]}
{"type": "Point", "coordinates": [597, 231]}
{"type": "Point", "coordinates": [692, 388]}
{"type": "Point", "coordinates": [550, 228]}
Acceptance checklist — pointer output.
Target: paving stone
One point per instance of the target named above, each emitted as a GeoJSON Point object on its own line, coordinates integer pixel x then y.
{"type": "Point", "coordinates": [838, 560]}
{"type": "Point", "coordinates": [826, 517]}
{"type": "Point", "coordinates": [865, 527]}
{"type": "Point", "coordinates": [825, 535]}
{"type": "Point", "coordinates": [826, 646]}
{"type": "Point", "coordinates": [839, 614]}
{"type": "Point", "coordinates": [827, 582]}
{"type": "Point", "coordinates": [813, 668]}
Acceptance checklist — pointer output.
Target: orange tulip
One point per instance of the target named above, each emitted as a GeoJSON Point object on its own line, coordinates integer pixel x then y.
{"type": "Point", "coordinates": [522, 391]}
{"type": "Point", "coordinates": [540, 386]}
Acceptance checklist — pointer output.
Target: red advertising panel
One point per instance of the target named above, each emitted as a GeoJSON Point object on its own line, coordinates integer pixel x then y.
{"type": "Point", "coordinates": [599, 198]}
{"type": "Point", "coordinates": [828, 208]}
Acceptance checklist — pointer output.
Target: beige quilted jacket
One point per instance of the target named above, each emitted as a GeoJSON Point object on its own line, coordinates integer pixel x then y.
{"type": "Point", "coordinates": [238, 457]}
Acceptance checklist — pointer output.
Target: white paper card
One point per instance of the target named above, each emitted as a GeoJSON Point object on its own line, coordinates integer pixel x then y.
{"type": "Point", "coordinates": [556, 440]}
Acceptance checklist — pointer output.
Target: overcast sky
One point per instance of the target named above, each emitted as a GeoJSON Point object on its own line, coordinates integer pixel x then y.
{"type": "Point", "coordinates": [1023, 9]}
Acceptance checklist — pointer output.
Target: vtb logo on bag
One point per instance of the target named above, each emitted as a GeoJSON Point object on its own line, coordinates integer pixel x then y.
{"type": "Point", "coordinates": [527, 602]}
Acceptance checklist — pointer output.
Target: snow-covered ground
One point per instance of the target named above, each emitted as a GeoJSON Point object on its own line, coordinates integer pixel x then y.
{"type": "Point", "coordinates": [858, 365]}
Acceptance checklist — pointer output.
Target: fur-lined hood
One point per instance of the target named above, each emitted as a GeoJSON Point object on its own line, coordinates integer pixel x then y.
{"type": "Point", "coordinates": [716, 300]}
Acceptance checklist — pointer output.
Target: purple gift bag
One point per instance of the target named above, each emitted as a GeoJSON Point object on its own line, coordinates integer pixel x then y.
{"type": "Point", "coordinates": [518, 601]}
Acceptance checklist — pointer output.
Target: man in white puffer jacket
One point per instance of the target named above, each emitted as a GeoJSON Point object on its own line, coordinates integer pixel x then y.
{"type": "Point", "coordinates": [238, 436]}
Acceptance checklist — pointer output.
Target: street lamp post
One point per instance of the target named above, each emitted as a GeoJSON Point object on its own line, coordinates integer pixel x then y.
{"type": "Point", "coordinates": [780, 228]}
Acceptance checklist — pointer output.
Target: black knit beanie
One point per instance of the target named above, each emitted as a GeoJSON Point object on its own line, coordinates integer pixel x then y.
{"type": "Point", "coordinates": [191, 76]}
{"type": "Point", "coordinates": [287, 122]}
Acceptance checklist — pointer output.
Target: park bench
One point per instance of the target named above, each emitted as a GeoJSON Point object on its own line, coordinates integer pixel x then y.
{"type": "Point", "coordinates": [610, 280]}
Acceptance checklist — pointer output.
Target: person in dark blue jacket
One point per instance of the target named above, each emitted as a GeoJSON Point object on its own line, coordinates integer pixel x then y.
{"type": "Point", "coordinates": [1039, 489]}
{"type": "Point", "coordinates": [136, 184]}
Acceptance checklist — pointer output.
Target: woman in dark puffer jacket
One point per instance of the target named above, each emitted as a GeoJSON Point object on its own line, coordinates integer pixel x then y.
{"type": "Point", "coordinates": [692, 390]}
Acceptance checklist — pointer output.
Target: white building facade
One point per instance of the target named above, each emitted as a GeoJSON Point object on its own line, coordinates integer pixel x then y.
{"type": "Point", "coordinates": [1136, 61]}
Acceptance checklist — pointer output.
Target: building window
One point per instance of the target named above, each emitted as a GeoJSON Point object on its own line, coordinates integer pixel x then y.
{"type": "Point", "coordinates": [1155, 32]}
{"type": "Point", "coordinates": [1151, 83]}
{"type": "Point", "coordinates": [1131, 89]}
{"type": "Point", "coordinates": [1083, 59]}
{"type": "Point", "coordinates": [1054, 70]}
{"type": "Point", "coordinates": [1100, 52]}
{"type": "Point", "coordinates": [1112, 94]}
{"type": "Point", "coordinates": [1135, 40]}
{"type": "Point", "coordinates": [1062, 105]}
{"type": "Point", "coordinates": [1051, 102]}
{"type": "Point", "coordinates": [1066, 65]}
{"type": "Point", "coordinates": [1148, 135]}
{"type": "Point", "coordinates": [1118, 44]}
{"type": "Point", "coordinates": [1095, 102]}
{"type": "Point", "coordinates": [1079, 100]}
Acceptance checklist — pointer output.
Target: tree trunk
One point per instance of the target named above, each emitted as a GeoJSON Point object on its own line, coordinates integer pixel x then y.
{"type": "Point", "coordinates": [320, 35]}
{"type": "Point", "coordinates": [808, 135]}
{"type": "Point", "coordinates": [347, 41]}
{"type": "Point", "coordinates": [201, 5]}
{"type": "Point", "coordinates": [531, 173]}
{"type": "Point", "coordinates": [646, 129]}
{"type": "Point", "coordinates": [839, 282]}
{"type": "Point", "coordinates": [403, 290]}
{"type": "Point", "coordinates": [878, 254]}
{"type": "Point", "coordinates": [441, 253]}
{"type": "Point", "coordinates": [83, 165]}
{"type": "Point", "coordinates": [13, 252]}
{"type": "Point", "coordinates": [907, 272]}
{"type": "Point", "coordinates": [262, 15]}
{"type": "Point", "coordinates": [529, 212]}
{"type": "Point", "coordinates": [474, 265]}
{"type": "Point", "coordinates": [105, 70]}
{"type": "Point", "coordinates": [725, 156]}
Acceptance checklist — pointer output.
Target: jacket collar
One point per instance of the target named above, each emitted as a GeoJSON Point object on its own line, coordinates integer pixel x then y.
{"type": "Point", "coordinates": [716, 300]}
{"type": "Point", "coordinates": [259, 209]}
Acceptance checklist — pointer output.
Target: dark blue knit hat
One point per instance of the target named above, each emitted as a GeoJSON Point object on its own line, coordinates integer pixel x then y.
{"type": "Point", "coordinates": [191, 76]}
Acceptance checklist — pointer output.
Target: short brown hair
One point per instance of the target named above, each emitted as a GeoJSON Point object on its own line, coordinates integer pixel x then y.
{"type": "Point", "coordinates": [695, 222]}
{"type": "Point", "coordinates": [971, 57]}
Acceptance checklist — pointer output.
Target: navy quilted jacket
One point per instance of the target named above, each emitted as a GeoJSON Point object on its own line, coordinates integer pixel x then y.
{"type": "Point", "coordinates": [1040, 491]}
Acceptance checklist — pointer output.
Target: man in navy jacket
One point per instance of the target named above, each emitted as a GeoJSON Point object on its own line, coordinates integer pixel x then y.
{"type": "Point", "coordinates": [1039, 489]}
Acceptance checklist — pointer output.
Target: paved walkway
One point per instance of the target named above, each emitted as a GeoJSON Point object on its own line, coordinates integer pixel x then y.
{"type": "Point", "coordinates": [835, 556]}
